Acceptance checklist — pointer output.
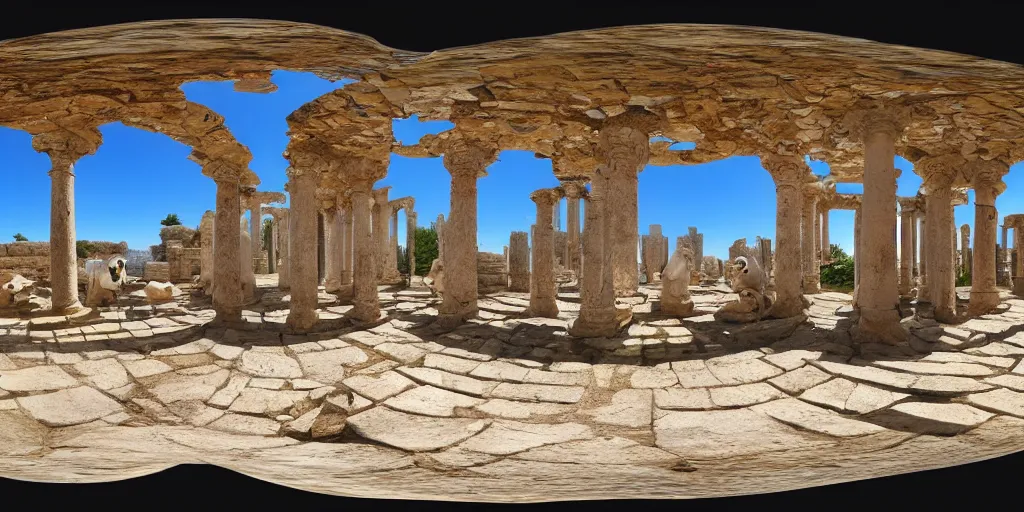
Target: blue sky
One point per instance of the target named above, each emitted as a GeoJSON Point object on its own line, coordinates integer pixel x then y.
{"type": "Point", "coordinates": [725, 200]}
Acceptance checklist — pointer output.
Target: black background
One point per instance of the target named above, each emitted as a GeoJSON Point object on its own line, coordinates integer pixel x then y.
{"type": "Point", "coordinates": [990, 30]}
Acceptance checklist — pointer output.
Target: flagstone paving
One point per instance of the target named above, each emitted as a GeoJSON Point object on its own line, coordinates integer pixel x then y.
{"type": "Point", "coordinates": [670, 401]}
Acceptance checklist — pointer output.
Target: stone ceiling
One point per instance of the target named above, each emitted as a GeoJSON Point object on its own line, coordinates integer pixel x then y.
{"type": "Point", "coordinates": [732, 90]}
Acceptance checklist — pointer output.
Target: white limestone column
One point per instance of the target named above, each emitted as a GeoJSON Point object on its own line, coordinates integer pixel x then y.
{"type": "Point", "coordinates": [206, 262]}
{"type": "Point", "coordinates": [227, 274]}
{"type": "Point", "coordinates": [826, 244]}
{"type": "Point", "coordinates": [543, 291]}
{"type": "Point", "coordinates": [987, 185]}
{"type": "Point", "coordinates": [364, 262]}
{"type": "Point", "coordinates": [303, 315]}
{"type": "Point", "coordinates": [789, 174]}
{"type": "Point", "coordinates": [335, 243]}
{"type": "Point", "coordinates": [410, 241]}
{"type": "Point", "coordinates": [255, 212]}
{"type": "Point", "coordinates": [63, 251]}
{"type": "Point", "coordinates": [938, 174]}
{"type": "Point", "coordinates": [907, 213]}
{"type": "Point", "coordinates": [381, 218]}
{"type": "Point", "coordinates": [878, 293]}
{"type": "Point", "coordinates": [573, 192]}
{"type": "Point", "coordinates": [811, 274]}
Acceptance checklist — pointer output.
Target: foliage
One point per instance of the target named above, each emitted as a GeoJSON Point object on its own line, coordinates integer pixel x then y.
{"type": "Point", "coordinates": [964, 279]}
{"type": "Point", "coordinates": [18, 237]}
{"type": "Point", "coordinates": [426, 249]}
{"type": "Point", "coordinates": [171, 220]}
{"type": "Point", "coordinates": [267, 232]}
{"type": "Point", "coordinates": [839, 273]}
{"type": "Point", "coordinates": [84, 248]}
{"type": "Point", "coordinates": [403, 259]}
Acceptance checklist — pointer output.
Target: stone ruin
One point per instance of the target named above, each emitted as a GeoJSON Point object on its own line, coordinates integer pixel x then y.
{"type": "Point", "coordinates": [519, 262]}
{"type": "Point", "coordinates": [491, 272]}
{"type": "Point", "coordinates": [675, 288]}
{"type": "Point", "coordinates": [653, 253]}
{"type": "Point", "coordinates": [748, 281]}
{"type": "Point", "coordinates": [695, 242]}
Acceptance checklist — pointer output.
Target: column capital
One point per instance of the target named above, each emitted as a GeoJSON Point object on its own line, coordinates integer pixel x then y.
{"type": "Point", "coordinates": [623, 147]}
{"type": "Point", "coordinates": [1015, 221]}
{"type": "Point", "coordinates": [813, 190]}
{"type": "Point", "coordinates": [574, 189]}
{"type": "Point", "coordinates": [547, 197]}
{"type": "Point", "coordinates": [867, 120]}
{"type": "Point", "coordinates": [465, 157]}
{"type": "Point", "coordinates": [908, 205]}
{"type": "Point", "coordinates": [65, 147]}
{"type": "Point", "coordinates": [938, 172]}
{"type": "Point", "coordinates": [785, 169]}
{"type": "Point", "coordinates": [988, 174]}
{"type": "Point", "coordinates": [223, 172]}
{"type": "Point", "coordinates": [277, 213]}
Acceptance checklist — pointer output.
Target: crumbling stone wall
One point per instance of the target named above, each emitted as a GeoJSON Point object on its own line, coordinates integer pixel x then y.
{"type": "Point", "coordinates": [188, 237]}
{"type": "Point", "coordinates": [492, 274]}
{"type": "Point", "coordinates": [30, 259]}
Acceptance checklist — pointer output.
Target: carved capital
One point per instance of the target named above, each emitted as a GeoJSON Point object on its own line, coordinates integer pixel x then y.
{"type": "Point", "coordinates": [222, 172]}
{"type": "Point", "coordinates": [1015, 222]}
{"type": "Point", "coordinates": [888, 119]}
{"type": "Point", "coordinates": [623, 148]}
{"type": "Point", "coordinates": [938, 172]}
{"type": "Point", "coordinates": [785, 169]}
{"type": "Point", "coordinates": [988, 176]}
{"type": "Point", "coordinates": [65, 147]}
{"type": "Point", "coordinates": [468, 158]}
{"type": "Point", "coordinates": [547, 197]}
{"type": "Point", "coordinates": [636, 118]}
{"type": "Point", "coordinates": [574, 189]}
{"type": "Point", "coordinates": [908, 205]}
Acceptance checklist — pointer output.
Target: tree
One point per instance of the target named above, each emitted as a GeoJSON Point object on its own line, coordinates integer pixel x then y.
{"type": "Point", "coordinates": [426, 249]}
{"type": "Point", "coordinates": [839, 273]}
{"type": "Point", "coordinates": [267, 231]}
{"type": "Point", "coordinates": [403, 259]}
{"type": "Point", "coordinates": [171, 220]}
{"type": "Point", "coordinates": [18, 237]}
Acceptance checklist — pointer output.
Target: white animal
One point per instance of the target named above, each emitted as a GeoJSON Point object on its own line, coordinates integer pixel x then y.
{"type": "Point", "coordinates": [106, 277]}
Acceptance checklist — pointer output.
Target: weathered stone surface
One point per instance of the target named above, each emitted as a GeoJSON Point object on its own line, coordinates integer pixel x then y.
{"type": "Point", "coordinates": [1009, 380]}
{"type": "Point", "coordinates": [36, 378]}
{"type": "Point", "coordinates": [713, 435]}
{"type": "Point", "coordinates": [806, 416]}
{"type": "Point", "coordinates": [146, 368]}
{"type": "Point", "coordinates": [946, 386]}
{"type": "Point", "coordinates": [450, 363]}
{"type": "Point", "coordinates": [683, 399]}
{"type": "Point", "coordinates": [792, 359]}
{"type": "Point", "coordinates": [695, 374]}
{"type": "Point", "coordinates": [401, 352]}
{"type": "Point", "coordinates": [744, 395]}
{"type": "Point", "coordinates": [104, 374]}
{"type": "Point", "coordinates": [69, 406]}
{"type": "Point", "coordinates": [226, 352]}
{"type": "Point", "coordinates": [931, 418]}
{"type": "Point", "coordinates": [928, 368]}
{"type": "Point", "coordinates": [537, 393]}
{"type": "Point", "coordinates": [431, 401]}
{"type": "Point", "coordinates": [449, 381]}
{"type": "Point", "coordinates": [379, 387]}
{"type": "Point", "coordinates": [799, 380]}
{"type": "Point", "coordinates": [601, 450]}
{"type": "Point", "coordinates": [1000, 400]}
{"type": "Point", "coordinates": [247, 425]}
{"type": "Point", "coordinates": [511, 409]}
{"type": "Point", "coordinates": [652, 377]}
{"type": "Point", "coordinates": [265, 401]}
{"type": "Point", "coordinates": [629, 408]}
{"type": "Point", "coordinates": [742, 371]}
{"type": "Point", "coordinates": [869, 374]}
{"type": "Point", "coordinates": [329, 366]}
{"type": "Point", "coordinates": [224, 396]}
{"type": "Point", "coordinates": [175, 387]}
{"type": "Point", "coordinates": [270, 364]}
{"type": "Point", "coordinates": [411, 432]}
{"type": "Point", "coordinates": [505, 437]}
{"type": "Point", "coordinates": [349, 403]}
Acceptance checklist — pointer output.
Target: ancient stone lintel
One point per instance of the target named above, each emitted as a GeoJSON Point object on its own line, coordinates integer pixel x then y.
{"type": "Point", "coordinates": [547, 195]}
{"type": "Point", "coordinates": [878, 118]}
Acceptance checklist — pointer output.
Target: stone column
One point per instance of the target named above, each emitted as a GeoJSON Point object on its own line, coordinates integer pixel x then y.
{"type": "Point", "coordinates": [283, 222]}
{"type": "Point", "coordinates": [878, 293]}
{"type": "Point", "coordinates": [1002, 266]}
{"type": "Point", "coordinates": [344, 256]}
{"type": "Point", "coordinates": [303, 315]}
{"type": "Point", "coordinates": [272, 250]}
{"type": "Point", "coordinates": [63, 252]}
{"type": "Point", "coordinates": [519, 261]}
{"type": "Point", "coordinates": [789, 174]}
{"type": "Point", "coordinates": [987, 185]}
{"type": "Point", "coordinates": [965, 246]}
{"type": "Point", "coordinates": [826, 244]}
{"type": "Point", "coordinates": [335, 244]}
{"type": "Point", "coordinates": [410, 241]}
{"type": "Point", "coordinates": [811, 274]}
{"type": "Point", "coordinates": [938, 174]}
{"type": "Point", "coordinates": [206, 253]}
{"type": "Point", "coordinates": [1018, 246]}
{"type": "Point", "coordinates": [439, 228]}
{"type": "Point", "coordinates": [227, 274]}
{"type": "Point", "coordinates": [907, 212]}
{"type": "Point", "coordinates": [466, 161]}
{"type": "Point", "coordinates": [393, 246]}
{"type": "Point", "coordinates": [913, 243]}
{"type": "Point", "coordinates": [543, 290]}
{"type": "Point", "coordinates": [381, 219]}
{"type": "Point", "coordinates": [350, 245]}
{"type": "Point", "coordinates": [246, 269]}
{"type": "Point", "coordinates": [856, 252]}
{"type": "Point", "coordinates": [364, 259]}
{"type": "Point", "coordinates": [574, 190]}
{"type": "Point", "coordinates": [625, 227]}
{"type": "Point", "coordinates": [923, 295]}
{"type": "Point", "coordinates": [255, 212]}
{"type": "Point", "coordinates": [597, 293]}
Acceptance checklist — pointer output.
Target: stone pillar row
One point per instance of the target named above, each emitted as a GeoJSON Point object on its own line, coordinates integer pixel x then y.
{"type": "Point", "coordinates": [543, 289]}
{"type": "Point", "coordinates": [987, 185]}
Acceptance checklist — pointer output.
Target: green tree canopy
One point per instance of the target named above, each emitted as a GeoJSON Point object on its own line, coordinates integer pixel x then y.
{"type": "Point", "coordinates": [426, 249]}
{"type": "Point", "coordinates": [18, 237]}
{"type": "Point", "coordinates": [171, 220]}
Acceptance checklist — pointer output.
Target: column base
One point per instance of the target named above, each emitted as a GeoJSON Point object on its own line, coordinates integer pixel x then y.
{"type": "Point", "coordinates": [365, 313]}
{"type": "Point", "coordinates": [879, 326]}
{"type": "Point", "coordinates": [301, 321]}
{"type": "Point", "coordinates": [982, 303]}
{"type": "Point", "coordinates": [72, 309]}
{"type": "Point", "coordinates": [677, 308]}
{"type": "Point", "coordinates": [545, 308]}
{"type": "Point", "coordinates": [227, 317]}
{"type": "Point", "coordinates": [789, 309]}
{"type": "Point", "coordinates": [1018, 286]}
{"type": "Point", "coordinates": [332, 285]}
{"type": "Point", "coordinates": [922, 294]}
{"type": "Point", "coordinates": [603, 323]}
{"type": "Point", "coordinates": [812, 284]}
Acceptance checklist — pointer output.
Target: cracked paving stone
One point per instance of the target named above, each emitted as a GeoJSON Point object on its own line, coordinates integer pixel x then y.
{"type": "Point", "coordinates": [569, 367]}
{"type": "Point", "coordinates": [1009, 380]}
{"type": "Point", "coordinates": [806, 416]}
{"type": "Point", "coordinates": [247, 425]}
{"type": "Point", "coordinates": [652, 377]}
{"type": "Point", "coordinates": [712, 435]}
{"type": "Point", "coordinates": [799, 380]}
{"type": "Point", "coordinates": [848, 396]}
{"type": "Point", "coordinates": [196, 347]}
{"type": "Point", "coordinates": [997, 349]}
{"type": "Point", "coordinates": [270, 364]}
{"type": "Point", "coordinates": [449, 381]}
{"type": "Point", "coordinates": [411, 432]}
{"type": "Point", "coordinates": [683, 399]}
{"type": "Point", "coordinates": [104, 374]}
{"type": "Point", "coordinates": [431, 401]}
{"type": "Point", "coordinates": [930, 368]}
{"type": "Point", "coordinates": [694, 374]}
{"type": "Point", "coordinates": [537, 393]}
{"type": "Point", "coordinates": [59, 358]}
{"type": "Point", "coordinates": [931, 418]}
{"type": "Point", "coordinates": [329, 366]}
{"type": "Point", "coordinates": [306, 384]}
{"type": "Point", "coordinates": [628, 408]}
{"type": "Point", "coordinates": [380, 367]}
{"type": "Point", "coordinates": [946, 386]}
{"type": "Point", "coordinates": [556, 378]}
{"type": "Point", "coordinates": [465, 354]}
{"type": "Point", "coordinates": [745, 371]}
{"type": "Point", "coordinates": [226, 352]}
{"type": "Point", "coordinates": [224, 396]}
{"type": "Point", "coordinates": [792, 359]}
{"type": "Point", "coordinates": [1001, 400]}
{"type": "Point", "coordinates": [505, 437]}
{"type": "Point", "coordinates": [69, 406]}
{"type": "Point", "coordinates": [174, 387]}
{"type": "Point", "coordinates": [511, 409]}
{"type": "Point", "coordinates": [460, 458]}
{"type": "Point", "coordinates": [958, 357]}
{"type": "Point", "coordinates": [601, 450]}
{"type": "Point", "coordinates": [36, 378]}
{"type": "Point", "coordinates": [303, 424]}
{"type": "Point", "coordinates": [364, 338]}
{"type": "Point", "coordinates": [349, 403]}
{"type": "Point", "coordinates": [266, 383]}
{"type": "Point", "coordinates": [381, 387]}
{"type": "Point", "coordinates": [403, 353]}
{"type": "Point", "coordinates": [744, 395]}
{"type": "Point", "coordinates": [195, 412]}
{"type": "Point", "coordinates": [500, 370]}
{"type": "Point", "coordinates": [868, 374]}
{"type": "Point", "coordinates": [265, 401]}
{"type": "Point", "coordinates": [450, 363]}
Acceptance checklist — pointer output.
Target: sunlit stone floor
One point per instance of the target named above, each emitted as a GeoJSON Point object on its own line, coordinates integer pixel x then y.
{"type": "Point", "coordinates": [505, 408]}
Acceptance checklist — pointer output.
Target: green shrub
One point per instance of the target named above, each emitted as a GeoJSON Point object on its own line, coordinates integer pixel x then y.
{"type": "Point", "coordinates": [18, 237]}
{"type": "Point", "coordinates": [426, 249]}
{"type": "Point", "coordinates": [840, 272]}
{"type": "Point", "coordinates": [84, 248]}
{"type": "Point", "coordinates": [964, 279]}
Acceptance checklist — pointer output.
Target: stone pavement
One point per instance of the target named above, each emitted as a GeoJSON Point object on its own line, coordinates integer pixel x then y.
{"type": "Point", "coordinates": [672, 408]}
